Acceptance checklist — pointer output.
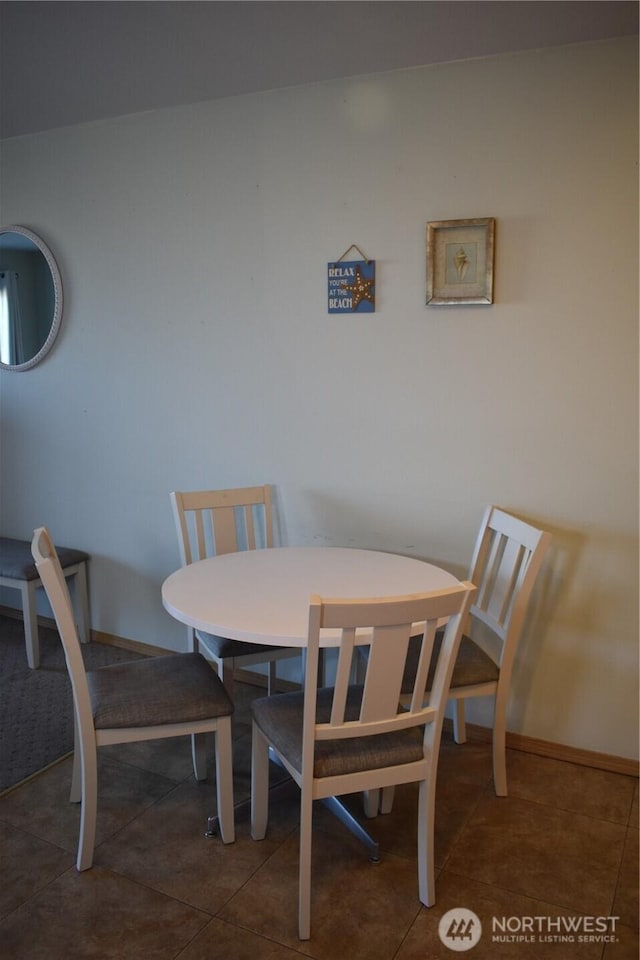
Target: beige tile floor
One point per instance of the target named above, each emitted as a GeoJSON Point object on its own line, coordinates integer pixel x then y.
{"type": "Point", "coordinates": [563, 844]}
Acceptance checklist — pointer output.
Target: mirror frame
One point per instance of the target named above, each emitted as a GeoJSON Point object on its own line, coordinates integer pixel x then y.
{"type": "Point", "coordinates": [58, 301]}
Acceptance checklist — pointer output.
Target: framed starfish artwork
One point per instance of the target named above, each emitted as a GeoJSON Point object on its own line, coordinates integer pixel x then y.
{"type": "Point", "coordinates": [351, 286]}
{"type": "Point", "coordinates": [460, 261]}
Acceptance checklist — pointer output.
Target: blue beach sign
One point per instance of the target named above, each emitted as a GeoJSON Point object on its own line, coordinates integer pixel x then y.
{"type": "Point", "coordinates": [351, 286]}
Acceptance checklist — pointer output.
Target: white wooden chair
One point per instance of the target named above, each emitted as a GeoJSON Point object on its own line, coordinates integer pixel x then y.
{"type": "Point", "coordinates": [351, 738]}
{"type": "Point", "coordinates": [146, 699]}
{"type": "Point", "coordinates": [213, 522]}
{"type": "Point", "coordinates": [506, 562]}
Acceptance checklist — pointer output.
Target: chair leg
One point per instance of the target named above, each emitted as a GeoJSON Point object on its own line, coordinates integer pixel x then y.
{"type": "Point", "coordinates": [426, 822]}
{"type": "Point", "coordinates": [304, 877]}
{"type": "Point", "coordinates": [30, 617]}
{"type": "Point", "coordinates": [271, 678]}
{"type": "Point", "coordinates": [459, 727]}
{"type": "Point", "coordinates": [371, 803]}
{"type": "Point", "coordinates": [199, 750]}
{"type": "Point", "coordinates": [499, 747]}
{"type": "Point", "coordinates": [224, 780]}
{"type": "Point", "coordinates": [88, 814]}
{"type": "Point", "coordinates": [386, 801]}
{"type": "Point", "coordinates": [225, 672]}
{"type": "Point", "coordinates": [259, 784]}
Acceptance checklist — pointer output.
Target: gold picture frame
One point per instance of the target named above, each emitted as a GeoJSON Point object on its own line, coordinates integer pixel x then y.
{"type": "Point", "coordinates": [460, 261]}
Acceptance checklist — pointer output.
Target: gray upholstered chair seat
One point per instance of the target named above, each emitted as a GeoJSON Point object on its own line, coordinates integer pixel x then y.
{"type": "Point", "coordinates": [472, 665]}
{"type": "Point", "coordinates": [161, 690]}
{"type": "Point", "coordinates": [280, 719]}
{"type": "Point", "coordinates": [16, 561]}
{"type": "Point", "coordinates": [224, 647]}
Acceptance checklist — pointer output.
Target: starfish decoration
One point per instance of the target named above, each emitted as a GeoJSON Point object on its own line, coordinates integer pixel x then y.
{"type": "Point", "coordinates": [360, 289]}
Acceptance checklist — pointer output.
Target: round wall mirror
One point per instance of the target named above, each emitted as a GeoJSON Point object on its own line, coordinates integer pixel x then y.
{"type": "Point", "coordinates": [30, 298]}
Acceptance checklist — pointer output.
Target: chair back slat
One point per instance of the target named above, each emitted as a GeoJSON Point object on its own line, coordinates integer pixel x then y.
{"type": "Point", "coordinates": [343, 674]}
{"type": "Point", "coordinates": [385, 669]}
{"type": "Point", "coordinates": [184, 540]}
{"type": "Point", "coordinates": [424, 662]}
{"type": "Point", "coordinates": [199, 517]}
{"type": "Point", "coordinates": [249, 528]}
{"type": "Point", "coordinates": [225, 528]}
{"type": "Point", "coordinates": [493, 560]}
{"type": "Point", "coordinates": [511, 578]}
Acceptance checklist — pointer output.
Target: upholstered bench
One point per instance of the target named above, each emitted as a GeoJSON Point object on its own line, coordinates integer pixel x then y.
{"type": "Point", "coordinates": [18, 570]}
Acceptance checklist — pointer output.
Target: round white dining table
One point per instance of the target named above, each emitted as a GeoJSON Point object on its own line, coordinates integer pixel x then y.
{"type": "Point", "coordinates": [262, 596]}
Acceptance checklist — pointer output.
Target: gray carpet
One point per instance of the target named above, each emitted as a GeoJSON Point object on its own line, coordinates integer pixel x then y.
{"type": "Point", "coordinates": [36, 708]}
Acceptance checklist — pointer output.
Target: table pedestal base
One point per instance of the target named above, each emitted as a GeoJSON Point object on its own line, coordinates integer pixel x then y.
{"type": "Point", "coordinates": [331, 803]}
{"type": "Point", "coordinates": [354, 826]}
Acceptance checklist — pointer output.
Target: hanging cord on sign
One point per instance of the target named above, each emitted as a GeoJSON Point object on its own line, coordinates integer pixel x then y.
{"type": "Point", "coordinates": [353, 246]}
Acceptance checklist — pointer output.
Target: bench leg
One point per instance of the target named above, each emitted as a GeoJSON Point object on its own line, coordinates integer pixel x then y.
{"type": "Point", "coordinates": [32, 643]}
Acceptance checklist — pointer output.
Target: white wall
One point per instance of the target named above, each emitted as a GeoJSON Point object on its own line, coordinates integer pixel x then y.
{"type": "Point", "coordinates": [196, 349]}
